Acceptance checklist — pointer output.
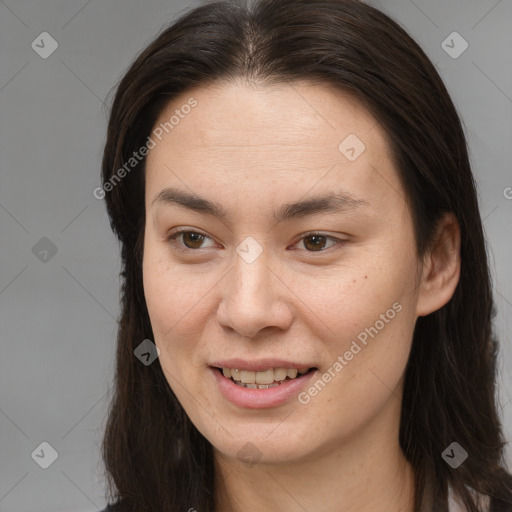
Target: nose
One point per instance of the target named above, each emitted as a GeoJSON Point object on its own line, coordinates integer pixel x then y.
{"type": "Point", "coordinates": [254, 298]}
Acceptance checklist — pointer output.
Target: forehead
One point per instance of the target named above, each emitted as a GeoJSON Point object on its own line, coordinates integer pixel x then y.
{"type": "Point", "coordinates": [271, 139]}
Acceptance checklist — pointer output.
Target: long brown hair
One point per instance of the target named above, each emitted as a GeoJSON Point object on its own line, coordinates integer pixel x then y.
{"type": "Point", "coordinates": [155, 459]}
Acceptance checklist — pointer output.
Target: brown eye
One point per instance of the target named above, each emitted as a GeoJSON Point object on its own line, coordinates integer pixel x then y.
{"type": "Point", "coordinates": [316, 242]}
{"type": "Point", "coordinates": [190, 240]}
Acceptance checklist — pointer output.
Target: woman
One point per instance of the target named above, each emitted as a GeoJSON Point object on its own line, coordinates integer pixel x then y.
{"type": "Point", "coordinates": [306, 303]}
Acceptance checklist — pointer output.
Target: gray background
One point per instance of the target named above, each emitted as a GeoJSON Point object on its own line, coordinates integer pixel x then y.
{"type": "Point", "coordinates": [58, 316]}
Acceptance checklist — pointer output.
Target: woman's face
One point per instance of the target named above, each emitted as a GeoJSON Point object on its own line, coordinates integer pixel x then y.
{"type": "Point", "coordinates": [312, 265]}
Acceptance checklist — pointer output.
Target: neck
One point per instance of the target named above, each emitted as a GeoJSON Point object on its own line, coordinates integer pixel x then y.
{"type": "Point", "coordinates": [366, 472]}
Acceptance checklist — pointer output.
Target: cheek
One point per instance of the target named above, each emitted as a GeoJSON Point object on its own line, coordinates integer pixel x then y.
{"type": "Point", "coordinates": [365, 315]}
{"type": "Point", "coordinates": [343, 300]}
{"type": "Point", "coordinates": [170, 291]}
{"type": "Point", "coordinates": [177, 302]}
{"type": "Point", "coordinates": [163, 294]}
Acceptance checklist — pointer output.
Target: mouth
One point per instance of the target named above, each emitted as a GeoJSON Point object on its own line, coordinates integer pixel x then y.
{"type": "Point", "coordinates": [269, 378]}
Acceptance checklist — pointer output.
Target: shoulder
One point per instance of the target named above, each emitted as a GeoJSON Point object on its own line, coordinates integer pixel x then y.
{"type": "Point", "coordinates": [455, 504]}
{"type": "Point", "coordinates": [111, 508]}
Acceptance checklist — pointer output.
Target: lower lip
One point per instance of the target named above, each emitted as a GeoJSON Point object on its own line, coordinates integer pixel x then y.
{"type": "Point", "coordinates": [261, 398]}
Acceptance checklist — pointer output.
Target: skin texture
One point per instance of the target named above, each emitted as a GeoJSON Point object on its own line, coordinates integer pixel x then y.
{"type": "Point", "coordinates": [252, 148]}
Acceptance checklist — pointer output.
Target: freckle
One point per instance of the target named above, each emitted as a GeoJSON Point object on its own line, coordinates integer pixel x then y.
{"type": "Point", "coordinates": [366, 277]}
{"type": "Point", "coordinates": [354, 281]}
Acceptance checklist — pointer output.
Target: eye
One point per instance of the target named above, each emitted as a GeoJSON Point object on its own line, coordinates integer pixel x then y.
{"type": "Point", "coordinates": [316, 241]}
{"type": "Point", "coordinates": [192, 240]}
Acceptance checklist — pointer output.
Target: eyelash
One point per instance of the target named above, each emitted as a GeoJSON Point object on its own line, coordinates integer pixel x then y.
{"type": "Point", "coordinates": [172, 240]}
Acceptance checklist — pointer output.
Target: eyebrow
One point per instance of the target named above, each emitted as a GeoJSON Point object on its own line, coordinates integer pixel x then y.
{"type": "Point", "coordinates": [330, 203]}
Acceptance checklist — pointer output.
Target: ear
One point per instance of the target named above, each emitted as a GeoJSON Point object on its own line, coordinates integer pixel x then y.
{"type": "Point", "coordinates": [441, 267]}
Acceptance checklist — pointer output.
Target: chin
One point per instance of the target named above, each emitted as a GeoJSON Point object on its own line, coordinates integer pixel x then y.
{"type": "Point", "coordinates": [265, 444]}
{"type": "Point", "coordinates": [251, 451]}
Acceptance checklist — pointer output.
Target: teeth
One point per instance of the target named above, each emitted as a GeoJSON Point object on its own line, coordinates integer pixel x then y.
{"type": "Point", "coordinates": [266, 377]}
{"type": "Point", "coordinates": [280, 373]}
{"type": "Point", "coordinates": [262, 379]}
{"type": "Point", "coordinates": [248, 377]}
{"type": "Point", "coordinates": [292, 373]}
{"type": "Point", "coordinates": [257, 386]}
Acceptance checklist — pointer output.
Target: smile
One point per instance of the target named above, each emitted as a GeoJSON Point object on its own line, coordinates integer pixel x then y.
{"type": "Point", "coordinates": [269, 378]}
{"type": "Point", "coordinates": [261, 389]}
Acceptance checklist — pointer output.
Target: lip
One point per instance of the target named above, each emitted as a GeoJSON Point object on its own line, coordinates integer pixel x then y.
{"type": "Point", "coordinates": [261, 398]}
{"type": "Point", "coordinates": [261, 364]}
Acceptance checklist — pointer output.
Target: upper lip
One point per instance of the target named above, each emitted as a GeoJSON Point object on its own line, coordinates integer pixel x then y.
{"type": "Point", "coordinates": [260, 365]}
